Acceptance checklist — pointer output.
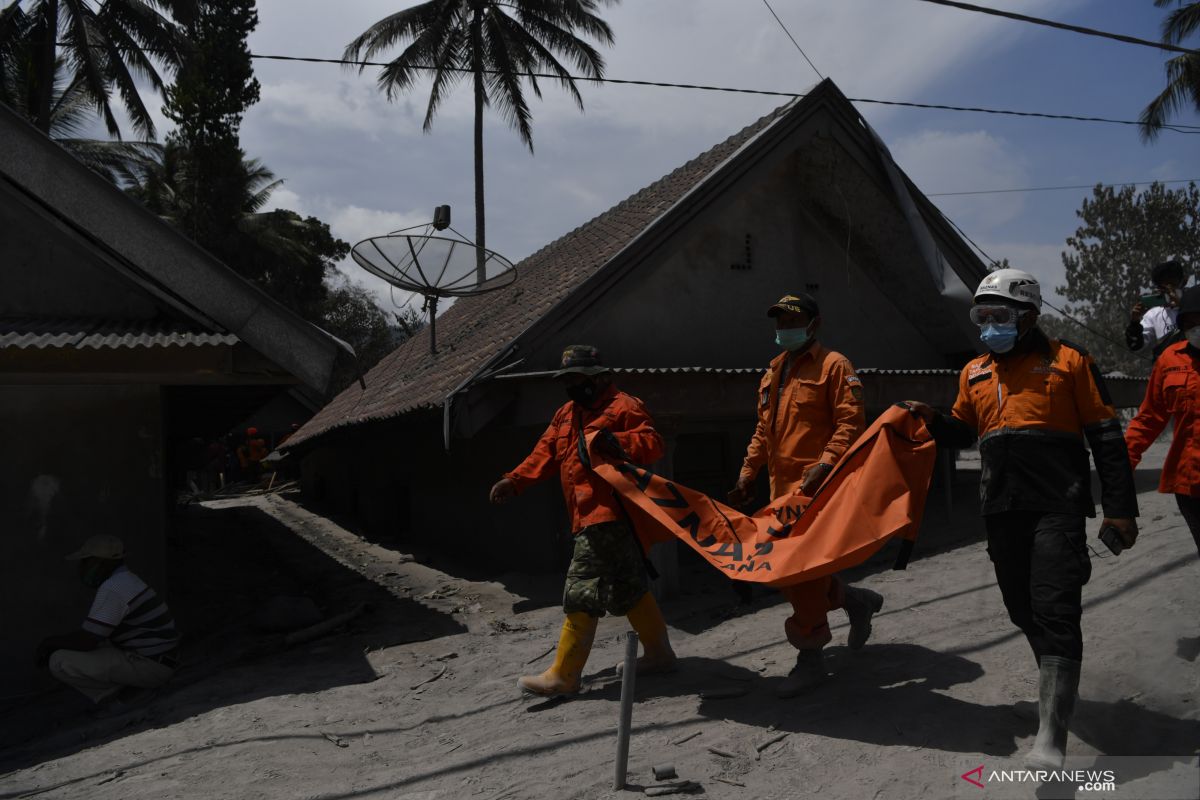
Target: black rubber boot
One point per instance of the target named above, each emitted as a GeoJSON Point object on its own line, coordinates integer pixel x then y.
{"type": "Point", "coordinates": [1058, 684]}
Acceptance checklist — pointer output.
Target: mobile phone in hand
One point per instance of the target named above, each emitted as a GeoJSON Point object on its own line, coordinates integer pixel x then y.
{"type": "Point", "coordinates": [1153, 300]}
{"type": "Point", "coordinates": [1112, 539]}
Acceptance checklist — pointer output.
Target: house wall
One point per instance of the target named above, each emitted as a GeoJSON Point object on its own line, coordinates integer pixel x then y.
{"type": "Point", "coordinates": [700, 300]}
{"type": "Point", "coordinates": [689, 306]}
{"type": "Point", "coordinates": [78, 460]}
{"type": "Point", "coordinates": [401, 488]}
{"type": "Point", "coordinates": [76, 286]}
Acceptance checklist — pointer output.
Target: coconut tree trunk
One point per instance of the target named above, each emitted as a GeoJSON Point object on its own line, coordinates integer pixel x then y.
{"type": "Point", "coordinates": [480, 227]}
{"type": "Point", "coordinates": [47, 61]}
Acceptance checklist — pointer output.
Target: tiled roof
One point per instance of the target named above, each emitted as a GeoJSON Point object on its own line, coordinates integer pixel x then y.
{"type": "Point", "coordinates": [98, 334]}
{"type": "Point", "coordinates": [476, 329]}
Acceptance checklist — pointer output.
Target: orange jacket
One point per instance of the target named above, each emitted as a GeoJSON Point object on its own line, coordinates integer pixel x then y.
{"type": "Point", "coordinates": [1174, 390]}
{"type": "Point", "coordinates": [815, 418]}
{"type": "Point", "coordinates": [1032, 411]}
{"type": "Point", "coordinates": [589, 499]}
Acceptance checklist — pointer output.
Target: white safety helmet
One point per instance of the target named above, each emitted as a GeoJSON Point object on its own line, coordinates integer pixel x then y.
{"type": "Point", "coordinates": [1012, 284]}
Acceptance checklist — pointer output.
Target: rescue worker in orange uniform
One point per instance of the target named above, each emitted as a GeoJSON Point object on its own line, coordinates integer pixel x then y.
{"type": "Point", "coordinates": [1174, 390]}
{"type": "Point", "coordinates": [251, 453]}
{"type": "Point", "coordinates": [1033, 401]}
{"type": "Point", "coordinates": [607, 572]}
{"type": "Point", "coordinates": [810, 410]}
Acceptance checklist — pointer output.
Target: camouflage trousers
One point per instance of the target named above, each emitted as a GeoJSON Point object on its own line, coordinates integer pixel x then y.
{"type": "Point", "coordinates": [607, 573]}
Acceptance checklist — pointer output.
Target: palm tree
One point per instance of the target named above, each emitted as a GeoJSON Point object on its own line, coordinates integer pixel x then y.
{"type": "Point", "coordinates": [1183, 71]}
{"type": "Point", "coordinates": [105, 45]}
{"type": "Point", "coordinates": [164, 185]}
{"type": "Point", "coordinates": [71, 111]}
{"type": "Point", "coordinates": [497, 42]}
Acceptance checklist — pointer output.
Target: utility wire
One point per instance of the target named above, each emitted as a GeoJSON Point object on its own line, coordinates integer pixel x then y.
{"type": "Point", "coordinates": [1058, 188]}
{"type": "Point", "coordinates": [1120, 37]}
{"type": "Point", "coordinates": [793, 38]}
{"type": "Point", "coordinates": [1178, 128]}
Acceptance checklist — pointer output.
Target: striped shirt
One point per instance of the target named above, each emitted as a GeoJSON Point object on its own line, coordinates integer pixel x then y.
{"type": "Point", "coordinates": [131, 616]}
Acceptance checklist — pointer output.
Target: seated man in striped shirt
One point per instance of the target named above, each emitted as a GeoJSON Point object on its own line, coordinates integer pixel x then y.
{"type": "Point", "coordinates": [128, 638]}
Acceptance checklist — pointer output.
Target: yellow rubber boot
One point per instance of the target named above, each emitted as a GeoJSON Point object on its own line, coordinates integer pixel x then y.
{"type": "Point", "coordinates": [647, 620]}
{"type": "Point", "coordinates": [574, 645]}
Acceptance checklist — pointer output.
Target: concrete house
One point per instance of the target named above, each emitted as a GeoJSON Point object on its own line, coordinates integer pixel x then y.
{"type": "Point", "coordinates": [672, 284]}
{"type": "Point", "coordinates": [120, 340]}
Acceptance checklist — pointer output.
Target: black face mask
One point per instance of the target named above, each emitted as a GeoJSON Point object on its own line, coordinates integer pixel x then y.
{"type": "Point", "coordinates": [584, 393]}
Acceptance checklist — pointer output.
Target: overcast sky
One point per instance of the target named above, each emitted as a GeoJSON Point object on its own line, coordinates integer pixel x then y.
{"type": "Point", "coordinates": [364, 166]}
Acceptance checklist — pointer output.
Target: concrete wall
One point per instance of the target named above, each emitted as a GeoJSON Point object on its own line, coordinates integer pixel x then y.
{"type": "Point", "coordinates": [78, 460]}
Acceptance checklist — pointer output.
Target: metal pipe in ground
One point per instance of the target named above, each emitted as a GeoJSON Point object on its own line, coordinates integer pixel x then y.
{"type": "Point", "coordinates": [628, 676]}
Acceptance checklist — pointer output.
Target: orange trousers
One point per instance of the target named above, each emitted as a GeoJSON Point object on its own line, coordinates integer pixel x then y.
{"type": "Point", "coordinates": [808, 626]}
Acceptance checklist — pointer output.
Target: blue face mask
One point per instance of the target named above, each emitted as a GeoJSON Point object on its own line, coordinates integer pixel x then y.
{"type": "Point", "coordinates": [791, 338]}
{"type": "Point", "coordinates": [999, 338]}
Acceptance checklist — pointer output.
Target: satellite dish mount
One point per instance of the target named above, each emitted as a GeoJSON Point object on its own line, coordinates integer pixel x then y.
{"type": "Point", "coordinates": [426, 261]}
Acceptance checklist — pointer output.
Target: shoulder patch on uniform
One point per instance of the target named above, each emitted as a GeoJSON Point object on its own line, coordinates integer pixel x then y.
{"type": "Point", "coordinates": [853, 380]}
{"type": "Point", "coordinates": [1076, 347]}
{"type": "Point", "coordinates": [978, 376]}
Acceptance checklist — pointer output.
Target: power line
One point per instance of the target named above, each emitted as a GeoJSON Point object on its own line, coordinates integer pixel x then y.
{"type": "Point", "coordinates": [1058, 188]}
{"type": "Point", "coordinates": [1120, 37]}
{"type": "Point", "coordinates": [793, 38]}
{"type": "Point", "coordinates": [1178, 128]}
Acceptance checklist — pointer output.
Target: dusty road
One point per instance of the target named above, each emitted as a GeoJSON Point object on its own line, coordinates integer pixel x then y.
{"type": "Point", "coordinates": [417, 699]}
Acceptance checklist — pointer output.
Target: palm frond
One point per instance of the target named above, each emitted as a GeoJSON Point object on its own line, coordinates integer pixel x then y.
{"type": "Point", "coordinates": [1180, 23]}
{"type": "Point", "coordinates": [1183, 89]}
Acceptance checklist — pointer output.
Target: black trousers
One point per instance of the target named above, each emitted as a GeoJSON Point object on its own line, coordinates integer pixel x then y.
{"type": "Point", "coordinates": [1189, 507]}
{"type": "Point", "coordinates": [1042, 562]}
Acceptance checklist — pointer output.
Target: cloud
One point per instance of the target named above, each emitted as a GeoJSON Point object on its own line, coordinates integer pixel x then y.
{"type": "Point", "coordinates": [947, 161]}
{"type": "Point", "coordinates": [1042, 260]}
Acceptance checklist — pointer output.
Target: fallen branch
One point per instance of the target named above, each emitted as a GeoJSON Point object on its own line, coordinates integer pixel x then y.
{"type": "Point", "coordinates": [731, 783]}
{"type": "Point", "coordinates": [777, 738]}
{"type": "Point", "coordinates": [321, 628]}
{"type": "Point", "coordinates": [416, 686]}
{"type": "Point", "coordinates": [716, 751]}
{"type": "Point", "coordinates": [687, 738]}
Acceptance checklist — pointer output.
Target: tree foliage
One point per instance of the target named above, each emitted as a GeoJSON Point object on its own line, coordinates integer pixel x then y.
{"type": "Point", "coordinates": [1183, 71]}
{"type": "Point", "coordinates": [105, 47]}
{"type": "Point", "coordinates": [72, 109]}
{"type": "Point", "coordinates": [1124, 234]}
{"type": "Point", "coordinates": [214, 86]}
{"type": "Point", "coordinates": [351, 314]}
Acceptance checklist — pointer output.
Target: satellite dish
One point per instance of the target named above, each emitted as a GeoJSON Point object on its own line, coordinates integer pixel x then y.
{"type": "Point", "coordinates": [424, 260]}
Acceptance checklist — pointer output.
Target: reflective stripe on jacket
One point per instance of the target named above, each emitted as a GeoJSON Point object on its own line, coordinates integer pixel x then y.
{"type": "Point", "coordinates": [811, 414]}
{"type": "Point", "coordinates": [1032, 411]}
{"type": "Point", "coordinates": [1174, 391]}
{"type": "Point", "coordinates": [589, 499]}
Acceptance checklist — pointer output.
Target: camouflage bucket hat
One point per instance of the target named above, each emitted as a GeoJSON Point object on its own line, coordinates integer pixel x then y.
{"type": "Point", "coordinates": [581, 359]}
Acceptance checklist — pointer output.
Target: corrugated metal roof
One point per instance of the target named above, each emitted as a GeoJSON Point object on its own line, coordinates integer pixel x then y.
{"type": "Point", "coordinates": [951, 373]}
{"type": "Point", "coordinates": [100, 334]}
